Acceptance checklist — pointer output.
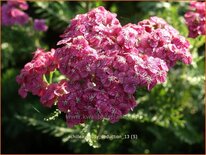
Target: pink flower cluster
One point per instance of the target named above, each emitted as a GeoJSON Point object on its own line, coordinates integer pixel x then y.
{"type": "Point", "coordinates": [195, 19]}
{"type": "Point", "coordinates": [104, 64]}
{"type": "Point", "coordinates": [163, 41]}
{"type": "Point", "coordinates": [12, 12]}
{"type": "Point", "coordinates": [40, 25]}
{"type": "Point", "coordinates": [31, 77]}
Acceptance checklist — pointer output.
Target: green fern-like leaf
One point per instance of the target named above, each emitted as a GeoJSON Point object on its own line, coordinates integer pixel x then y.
{"type": "Point", "coordinates": [84, 133]}
{"type": "Point", "coordinates": [56, 130]}
{"type": "Point", "coordinates": [56, 13]}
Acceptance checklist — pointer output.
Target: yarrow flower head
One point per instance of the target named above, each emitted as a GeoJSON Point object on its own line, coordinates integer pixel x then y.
{"type": "Point", "coordinates": [31, 76]}
{"type": "Point", "coordinates": [163, 41]}
{"type": "Point", "coordinates": [12, 13]}
{"type": "Point", "coordinates": [195, 19]}
{"type": "Point", "coordinates": [22, 4]}
{"type": "Point", "coordinates": [40, 25]}
{"type": "Point", "coordinates": [104, 65]}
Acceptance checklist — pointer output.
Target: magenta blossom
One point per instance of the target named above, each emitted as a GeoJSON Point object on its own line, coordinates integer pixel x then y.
{"type": "Point", "coordinates": [104, 64]}
{"type": "Point", "coordinates": [195, 19]}
{"type": "Point", "coordinates": [22, 4]}
{"type": "Point", "coordinates": [31, 76]}
{"type": "Point", "coordinates": [12, 13]}
{"type": "Point", "coordinates": [40, 25]}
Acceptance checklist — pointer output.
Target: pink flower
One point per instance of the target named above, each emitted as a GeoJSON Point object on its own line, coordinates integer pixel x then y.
{"type": "Point", "coordinates": [31, 76]}
{"type": "Point", "coordinates": [53, 92]}
{"type": "Point", "coordinates": [163, 42]}
{"type": "Point", "coordinates": [22, 4]}
{"type": "Point", "coordinates": [112, 69]}
{"type": "Point", "coordinates": [40, 25]}
{"type": "Point", "coordinates": [12, 13]}
{"type": "Point", "coordinates": [195, 19]}
{"type": "Point", "coordinates": [104, 64]}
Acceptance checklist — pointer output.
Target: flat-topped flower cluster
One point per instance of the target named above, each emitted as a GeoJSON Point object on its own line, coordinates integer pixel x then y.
{"type": "Point", "coordinates": [196, 19]}
{"type": "Point", "coordinates": [13, 13]}
{"type": "Point", "coordinates": [104, 64]}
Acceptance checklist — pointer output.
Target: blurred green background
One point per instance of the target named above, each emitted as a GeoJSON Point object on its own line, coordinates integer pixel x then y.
{"type": "Point", "coordinates": [168, 119]}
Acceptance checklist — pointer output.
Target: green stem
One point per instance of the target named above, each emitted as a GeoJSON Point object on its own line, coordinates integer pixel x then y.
{"type": "Point", "coordinates": [50, 77]}
{"type": "Point", "coordinates": [101, 129]}
{"type": "Point", "coordinates": [37, 43]}
{"type": "Point", "coordinates": [44, 78]}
